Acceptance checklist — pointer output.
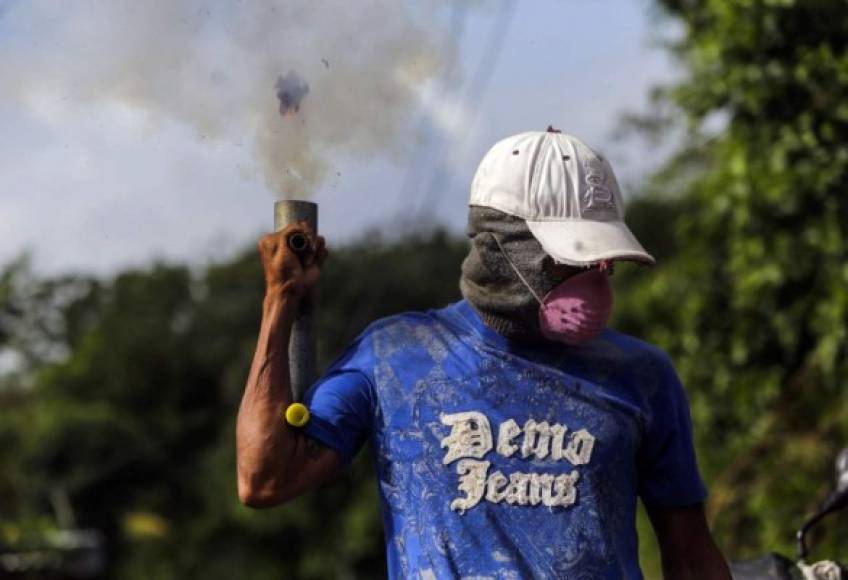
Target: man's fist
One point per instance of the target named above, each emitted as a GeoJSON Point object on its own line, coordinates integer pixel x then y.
{"type": "Point", "coordinates": [287, 272]}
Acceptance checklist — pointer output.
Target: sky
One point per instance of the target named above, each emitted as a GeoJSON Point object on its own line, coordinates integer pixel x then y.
{"type": "Point", "coordinates": [132, 132]}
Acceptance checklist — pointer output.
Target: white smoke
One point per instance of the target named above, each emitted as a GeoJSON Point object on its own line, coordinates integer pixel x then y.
{"type": "Point", "coordinates": [218, 67]}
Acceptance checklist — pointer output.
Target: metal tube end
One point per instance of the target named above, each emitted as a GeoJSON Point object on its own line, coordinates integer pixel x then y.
{"type": "Point", "coordinates": [298, 243]}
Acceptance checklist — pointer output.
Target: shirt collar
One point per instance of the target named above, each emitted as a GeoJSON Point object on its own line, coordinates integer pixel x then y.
{"type": "Point", "coordinates": [467, 318]}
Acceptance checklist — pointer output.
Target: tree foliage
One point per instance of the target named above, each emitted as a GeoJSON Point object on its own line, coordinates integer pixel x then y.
{"type": "Point", "coordinates": [136, 421]}
{"type": "Point", "coordinates": [122, 392]}
{"type": "Point", "coordinates": [752, 302]}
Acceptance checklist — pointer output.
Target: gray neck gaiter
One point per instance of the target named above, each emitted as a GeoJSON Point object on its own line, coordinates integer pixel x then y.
{"type": "Point", "coordinates": [490, 284]}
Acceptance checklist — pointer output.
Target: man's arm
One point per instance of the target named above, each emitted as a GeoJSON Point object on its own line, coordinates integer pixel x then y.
{"type": "Point", "coordinates": [275, 461]}
{"type": "Point", "coordinates": [686, 544]}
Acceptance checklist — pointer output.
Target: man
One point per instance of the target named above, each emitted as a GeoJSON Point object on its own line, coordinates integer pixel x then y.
{"type": "Point", "coordinates": [512, 431]}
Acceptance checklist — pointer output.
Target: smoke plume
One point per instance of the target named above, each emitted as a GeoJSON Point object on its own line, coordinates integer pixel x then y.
{"type": "Point", "coordinates": [305, 81]}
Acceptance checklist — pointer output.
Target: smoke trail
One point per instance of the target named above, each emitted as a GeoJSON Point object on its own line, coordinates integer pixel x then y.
{"type": "Point", "coordinates": [308, 81]}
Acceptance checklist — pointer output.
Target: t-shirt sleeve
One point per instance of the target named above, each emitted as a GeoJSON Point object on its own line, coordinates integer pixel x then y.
{"type": "Point", "coordinates": [341, 402]}
{"type": "Point", "coordinates": [668, 470]}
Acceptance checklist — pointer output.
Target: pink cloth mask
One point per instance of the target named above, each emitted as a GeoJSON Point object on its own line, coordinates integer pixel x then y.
{"type": "Point", "coordinates": [576, 310]}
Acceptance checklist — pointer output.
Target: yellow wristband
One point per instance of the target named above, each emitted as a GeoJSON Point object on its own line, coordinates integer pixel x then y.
{"type": "Point", "coordinates": [297, 415]}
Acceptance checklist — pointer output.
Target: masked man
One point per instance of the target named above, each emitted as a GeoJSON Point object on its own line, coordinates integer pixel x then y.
{"type": "Point", "coordinates": [513, 431]}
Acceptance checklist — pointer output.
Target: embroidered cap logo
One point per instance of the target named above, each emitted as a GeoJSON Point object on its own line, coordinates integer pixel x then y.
{"type": "Point", "coordinates": [598, 196]}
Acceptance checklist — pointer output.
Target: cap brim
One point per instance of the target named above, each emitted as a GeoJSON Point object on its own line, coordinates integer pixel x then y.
{"type": "Point", "coordinates": [582, 242]}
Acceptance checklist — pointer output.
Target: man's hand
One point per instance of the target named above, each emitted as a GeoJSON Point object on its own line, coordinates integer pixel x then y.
{"type": "Point", "coordinates": [686, 545]}
{"type": "Point", "coordinates": [288, 273]}
{"type": "Point", "coordinates": [277, 462]}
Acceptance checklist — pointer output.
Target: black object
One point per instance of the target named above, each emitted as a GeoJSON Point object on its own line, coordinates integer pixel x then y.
{"type": "Point", "coordinates": [769, 567]}
{"type": "Point", "coordinates": [776, 567]}
{"type": "Point", "coordinates": [835, 501]}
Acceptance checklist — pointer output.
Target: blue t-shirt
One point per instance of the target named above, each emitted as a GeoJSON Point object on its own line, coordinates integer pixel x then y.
{"type": "Point", "coordinates": [502, 460]}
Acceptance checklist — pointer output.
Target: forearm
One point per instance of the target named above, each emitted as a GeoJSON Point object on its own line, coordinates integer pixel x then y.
{"type": "Point", "coordinates": [275, 461]}
{"type": "Point", "coordinates": [686, 545]}
{"type": "Point", "coordinates": [265, 444]}
{"type": "Point", "coordinates": [706, 564]}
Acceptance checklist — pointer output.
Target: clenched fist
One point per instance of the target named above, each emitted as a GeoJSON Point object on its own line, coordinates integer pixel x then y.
{"type": "Point", "coordinates": [289, 273]}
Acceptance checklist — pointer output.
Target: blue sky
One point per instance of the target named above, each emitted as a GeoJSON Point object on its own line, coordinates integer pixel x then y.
{"type": "Point", "coordinates": [98, 174]}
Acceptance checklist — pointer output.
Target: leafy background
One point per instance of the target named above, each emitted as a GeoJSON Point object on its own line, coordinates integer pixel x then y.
{"type": "Point", "coordinates": [118, 395]}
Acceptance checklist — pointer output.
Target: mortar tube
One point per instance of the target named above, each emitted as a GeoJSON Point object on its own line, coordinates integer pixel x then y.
{"type": "Point", "coordinates": [303, 368]}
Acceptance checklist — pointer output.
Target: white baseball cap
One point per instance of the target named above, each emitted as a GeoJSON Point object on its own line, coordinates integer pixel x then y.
{"type": "Point", "coordinates": [564, 190]}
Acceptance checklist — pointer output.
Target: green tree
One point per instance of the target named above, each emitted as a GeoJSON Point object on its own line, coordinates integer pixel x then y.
{"type": "Point", "coordinates": [134, 418]}
{"type": "Point", "coordinates": [751, 299]}
{"type": "Point", "coordinates": [125, 390]}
